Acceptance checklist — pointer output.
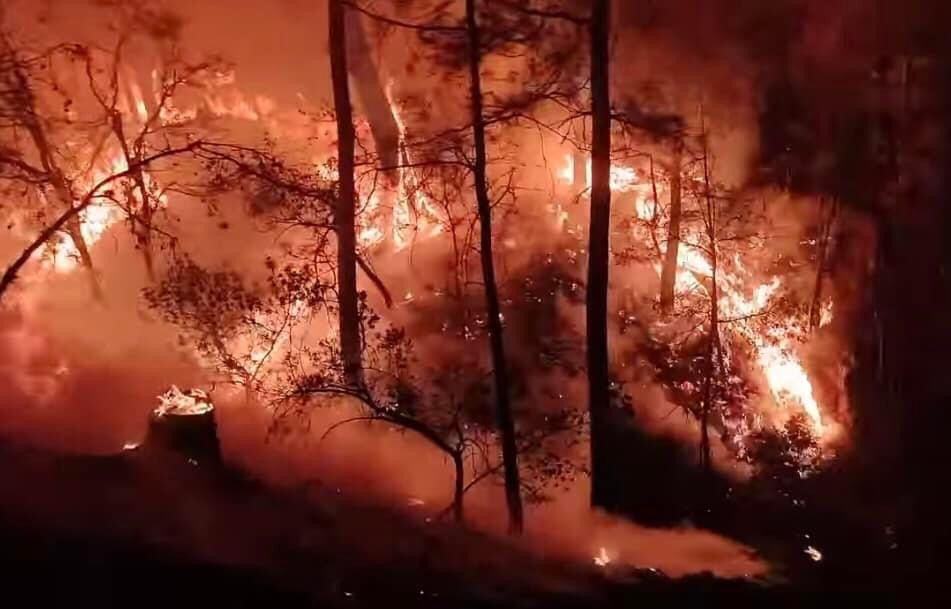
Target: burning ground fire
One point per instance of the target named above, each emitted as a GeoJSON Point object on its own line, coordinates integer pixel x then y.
{"type": "Point", "coordinates": [743, 300]}
{"type": "Point", "coordinates": [392, 211]}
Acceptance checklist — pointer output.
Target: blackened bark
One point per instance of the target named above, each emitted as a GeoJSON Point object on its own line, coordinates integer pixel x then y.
{"type": "Point", "coordinates": [504, 416]}
{"type": "Point", "coordinates": [344, 218]}
{"type": "Point", "coordinates": [668, 276]}
{"type": "Point", "coordinates": [599, 390]}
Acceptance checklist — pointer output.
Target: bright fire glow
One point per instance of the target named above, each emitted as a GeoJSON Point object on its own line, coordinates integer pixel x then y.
{"type": "Point", "coordinates": [774, 350]}
{"type": "Point", "coordinates": [602, 558]}
{"type": "Point", "coordinates": [94, 221]}
{"type": "Point", "coordinates": [623, 179]}
{"type": "Point", "coordinates": [178, 402]}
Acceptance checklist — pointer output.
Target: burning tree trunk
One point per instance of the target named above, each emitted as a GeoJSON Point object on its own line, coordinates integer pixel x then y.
{"type": "Point", "coordinates": [713, 349]}
{"type": "Point", "coordinates": [141, 214]}
{"type": "Point", "coordinates": [74, 228]}
{"type": "Point", "coordinates": [184, 426]}
{"type": "Point", "coordinates": [599, 382]}
{"type": "Point", "coordinates": [64, 194]}
{"type": "Point", "coordinates": [826, 229]}
{"type": "Point", "coordinates": [668, 276]}
{"type": "Point", "coordinates": [23, 108]}
{"type": "Point", "coordinates": [372, 95]}
{"type": "Point", "coordinates": [499, 363]}
{"type": "Point", "coordinates": [344, 218]}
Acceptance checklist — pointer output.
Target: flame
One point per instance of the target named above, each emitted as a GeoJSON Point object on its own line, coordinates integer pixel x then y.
{"type": "Point", "coordinates": [94, 220]}
{"type": "Point", "coordinates": [178, 402]}
{"type": "Point", "coordinates": [774, 350]}
{"type": "Point", "coordinates": [602, 558]}
{"type": "Point", "coordinates": [623, 179]}
{"type": "Point", "coordinates": [141, 109]}
{"type": "Point", "coordinates": [412, 209]}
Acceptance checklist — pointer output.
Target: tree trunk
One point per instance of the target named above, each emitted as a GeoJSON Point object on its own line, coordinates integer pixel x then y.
{"type": "Point", "coordinates": [28, 118]}
{"type": "Point", "coordinates": [579, 172]}
{"type": "Point", "coordinates": [826, 231]}
{"type": "Point", "coordinates": [344, 217]}
{"type": "Point", "coordinates": [460, 487]}
{"type": "Point", "coordinates": [713, 350]}
{"type": "Point", "coordinates": [141, 215]}
{"type": "Point", "coordinates": [499, 363]}
{"type": "Point", "coordinates": [668, 276]}
{"type": "Point", "coordinates": [599, 391]}
{"type": "Point", "coordinates": [712, 364]}
{"type": "Point", "coordinates": [65, 196]}
{"type": "Point", "coordinates": [372, 94]}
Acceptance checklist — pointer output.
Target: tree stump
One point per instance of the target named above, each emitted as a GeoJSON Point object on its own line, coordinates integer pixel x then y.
{"type": "Point", "coordinates": [184, 427]}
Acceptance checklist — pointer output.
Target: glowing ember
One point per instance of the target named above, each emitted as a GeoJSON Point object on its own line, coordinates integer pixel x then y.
{"type": "Point", "coordinates": [813, 553]}
{"type": "Point", "coordinates": [602, 558]}
{"type": "Point", "coordinates": [825, 314]}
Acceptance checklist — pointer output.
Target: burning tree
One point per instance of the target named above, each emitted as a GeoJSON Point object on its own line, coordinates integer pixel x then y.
{"type": "Point", "coordinates": [47, 119]}
{"type": "Point", "coordinates": [460, 191]}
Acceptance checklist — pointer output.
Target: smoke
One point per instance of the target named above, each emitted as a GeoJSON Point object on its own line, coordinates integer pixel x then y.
{"type": "Point", "coordinates": [81, 377]}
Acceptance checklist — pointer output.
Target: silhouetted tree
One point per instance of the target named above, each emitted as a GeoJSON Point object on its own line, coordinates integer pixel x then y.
{"type": "Point", "coordinates": [345, 217]}
{"type": "Point", "coordinates": [668, 276]}
{"type": "Point", "coordinates": [496, 340]}
{"type": "Point", "coordinates": [596, 305]}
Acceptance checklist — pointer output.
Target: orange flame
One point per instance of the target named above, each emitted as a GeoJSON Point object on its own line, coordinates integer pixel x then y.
{"type": "Point", "coordinates": [774, 350]}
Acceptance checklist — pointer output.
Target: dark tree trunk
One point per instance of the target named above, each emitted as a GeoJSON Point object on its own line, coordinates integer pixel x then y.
{"type": "Point", "coordinates": [668, 276]}
{"type": "Point", "coordinates": [459, 489]}
{"type": "Point", "coordinates": [26, 108]}
{"type": "Point", "coordinates": [826, 232]}
{"type": "Point", "coordinates": [64, 194]}
{"type": "Point", "coordinates": [344, 218]}
{"type": "Point", "coordinates": [709, 383]}
{"type": "Point", "coordinates": [599, 391]}
{"type": "Point", "coordinates": [141, 215]}
{"type": "Point", "coordinates": [505, 421]}
{"type": "Point", "coordinates": [713, 349]}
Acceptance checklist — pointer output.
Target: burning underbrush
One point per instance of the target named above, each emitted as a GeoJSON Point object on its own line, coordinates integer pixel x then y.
{"type": "Point", "coordinates": [217, 268]}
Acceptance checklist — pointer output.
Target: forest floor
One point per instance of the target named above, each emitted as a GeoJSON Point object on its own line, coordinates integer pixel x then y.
{"type": "Point", "coordinates": [134, 530]}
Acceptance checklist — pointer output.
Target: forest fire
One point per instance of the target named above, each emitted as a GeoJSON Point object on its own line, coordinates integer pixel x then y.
{"type": "Point", "coordinates": [611, 292]}
{"type": "Point", "coordinates": [94, 221]}
{"type": "Point", "coordinates": [740, 299]}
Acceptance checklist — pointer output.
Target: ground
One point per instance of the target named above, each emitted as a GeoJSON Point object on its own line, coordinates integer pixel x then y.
{"type": "Point", "coordinates": [142, 531]}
